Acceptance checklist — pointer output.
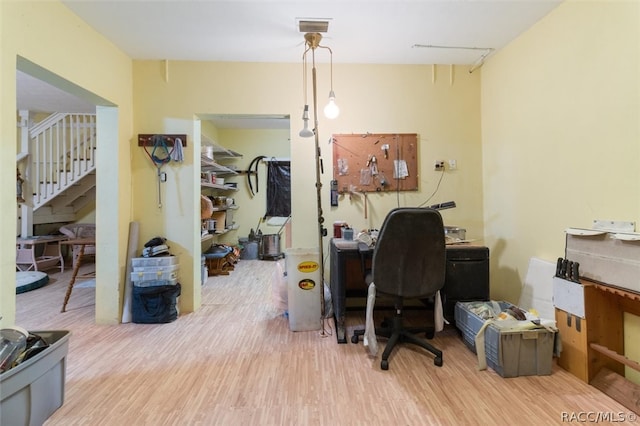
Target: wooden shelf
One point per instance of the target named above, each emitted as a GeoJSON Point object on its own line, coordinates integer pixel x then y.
{"type": "Point", "coordinates": [593, 346]}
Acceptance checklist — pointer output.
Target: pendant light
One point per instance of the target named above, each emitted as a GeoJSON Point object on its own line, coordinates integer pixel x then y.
{"type": "Point", "coordinates": [331, 110]}
{"type": "Point", "coordinates": [305, 132]}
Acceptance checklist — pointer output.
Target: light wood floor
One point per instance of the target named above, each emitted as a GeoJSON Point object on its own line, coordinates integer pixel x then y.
{"type": "Point", "coordinates": [235, 362]}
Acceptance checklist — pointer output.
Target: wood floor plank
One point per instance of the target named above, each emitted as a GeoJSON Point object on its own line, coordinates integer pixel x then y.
{"type": "Point", "coordinates": [235, 361]}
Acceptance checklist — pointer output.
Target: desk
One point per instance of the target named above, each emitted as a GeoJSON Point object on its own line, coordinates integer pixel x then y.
{"type": "Point", "coordinates": [76, 267]}
{"type": "Point", "coordinates": [29, 257]}
{"type": "Point", "coordinates": [467, 278]}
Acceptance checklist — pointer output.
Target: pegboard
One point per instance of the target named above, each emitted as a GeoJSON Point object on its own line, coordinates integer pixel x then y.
{"type": "Point", "coordinates": [366, 162]}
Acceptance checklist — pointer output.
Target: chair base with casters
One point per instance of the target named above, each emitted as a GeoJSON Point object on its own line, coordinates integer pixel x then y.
{"type": "Point", "coordinates": [396, 332]}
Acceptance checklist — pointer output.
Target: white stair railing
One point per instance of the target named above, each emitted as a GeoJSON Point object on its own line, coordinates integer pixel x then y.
{"type": "Point", "coordinates": [62, 151]}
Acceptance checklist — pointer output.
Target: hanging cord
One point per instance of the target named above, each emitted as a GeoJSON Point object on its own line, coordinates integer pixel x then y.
{"type": "Point", "coordinates": [159, 155]}
{"type": "Point", "coordinates": [396, 165]}
{"type": "Point", "coordinates": [436, 190]}
{"type": "Point", "coordinates": [256, 162]}
{"type": "Point", "coordinates": [304, 77]}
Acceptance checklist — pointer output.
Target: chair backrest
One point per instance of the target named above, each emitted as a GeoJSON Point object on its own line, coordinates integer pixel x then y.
{"type": "Point", "coordinates": [409, 256]}
{"type": "Point", "coordinates": [79, 230]}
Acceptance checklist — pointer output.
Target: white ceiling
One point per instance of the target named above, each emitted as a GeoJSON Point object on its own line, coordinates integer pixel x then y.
{"type": "Point", "coordinates": [37, 96]}
{"type": "Point", "coordinates": [360, 31]}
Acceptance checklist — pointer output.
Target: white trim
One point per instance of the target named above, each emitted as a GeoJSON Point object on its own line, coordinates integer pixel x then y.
{"type": "Point", "coordinates": [266, 160]}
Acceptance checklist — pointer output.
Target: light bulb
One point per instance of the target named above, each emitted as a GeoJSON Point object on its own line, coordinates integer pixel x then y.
{"type": "Point", "coordinates": [305, 132]}
{"type": "Point", "coordinates": [332, 110]}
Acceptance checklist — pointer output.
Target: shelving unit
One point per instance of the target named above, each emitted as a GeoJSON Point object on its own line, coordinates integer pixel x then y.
{"type": "Point", "coordinates": [218, 165]}
{"type": "Point", "coordinates": [593, 344]}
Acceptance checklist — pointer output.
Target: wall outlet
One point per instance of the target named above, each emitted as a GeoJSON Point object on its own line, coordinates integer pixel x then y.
{"type": "Point", "coordinates": [439, 165]}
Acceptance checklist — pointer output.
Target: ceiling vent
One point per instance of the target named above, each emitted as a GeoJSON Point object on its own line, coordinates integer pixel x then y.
{"type": "Point", "coordinates": [309, 25]}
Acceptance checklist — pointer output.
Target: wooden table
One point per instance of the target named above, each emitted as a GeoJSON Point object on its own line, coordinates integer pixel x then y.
{"type": "Point", "coordinates": [28, 259]}
{"type": "Point", "coordinates": [82, 242]}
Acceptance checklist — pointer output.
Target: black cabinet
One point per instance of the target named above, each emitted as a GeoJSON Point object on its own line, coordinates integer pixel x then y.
{"type": "Point", "coordinates": [467, 277]}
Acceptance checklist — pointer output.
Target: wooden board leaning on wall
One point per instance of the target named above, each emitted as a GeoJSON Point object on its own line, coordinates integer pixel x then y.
{"type": "Point", "coordinates": [366, 162]}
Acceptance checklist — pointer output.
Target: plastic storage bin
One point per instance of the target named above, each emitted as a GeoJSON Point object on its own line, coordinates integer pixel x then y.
{"type": "Point", "coordinates": [154, 276]}
{"type": "Point", "coordinates": [137, 262]}
{"type": "Point", "coordinates": [31, 392]}
{"type": "Point", "coordinates": [510, 353]}
{"type": "Point", "coordinates": [469, 323]}
{"type": "Point", "coordinates": [519, 353]}
{"type": "Point", "coordinates": [156, 269]}
{"type": "Point", "coordinates": [250, 251]}
{"type": "Point", "coordinates": [304, 289]}
{"type": "Point", "coordinates": [154, 283]}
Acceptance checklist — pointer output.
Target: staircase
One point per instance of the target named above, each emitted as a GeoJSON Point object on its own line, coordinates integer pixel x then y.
{"type": "Point", "coordinates": [58, 165]}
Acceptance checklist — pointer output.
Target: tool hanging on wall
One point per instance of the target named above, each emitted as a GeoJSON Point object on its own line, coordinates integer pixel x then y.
{"type": "Point", "coordinates": [385, 149]}
{"type": "Point", "coordinates": [334, 193]}
{"type": "Point", "coordinates": [254, 163]}
{"type": "Point", "coordinates": [159, 155]}
{"type": "Point", "coordinates": [374, 166]}
{"type": "Point", "coordinates": [366, 201]}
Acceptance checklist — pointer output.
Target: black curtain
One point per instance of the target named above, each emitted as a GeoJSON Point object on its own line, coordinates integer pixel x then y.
{"type": "Point", "coordinates": [278, 188]}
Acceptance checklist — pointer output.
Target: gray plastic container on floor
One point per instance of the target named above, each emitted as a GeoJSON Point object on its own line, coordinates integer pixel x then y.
{"type": "Point", "coordinates": [250, 251]}
{"type": "Point", "coordinates": [31, 392]}
{"type": "Point", "coordinates": [469, 323]}
{"type": "Point", "coordinates": [510, 353]}
{"type": "Point", "coordinates": [519, 353]}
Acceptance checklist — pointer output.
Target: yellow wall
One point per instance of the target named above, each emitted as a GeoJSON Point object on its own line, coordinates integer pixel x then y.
{"type": "Point", "coordinates": [442, 109]}
{"type": "Point", "coordinates": [49, 35]}
{"type": "Point", "coordinates": [561, 134]}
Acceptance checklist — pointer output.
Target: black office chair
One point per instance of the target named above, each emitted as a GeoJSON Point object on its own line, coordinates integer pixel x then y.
{"type": "Point", "coordinates": [408, 262]}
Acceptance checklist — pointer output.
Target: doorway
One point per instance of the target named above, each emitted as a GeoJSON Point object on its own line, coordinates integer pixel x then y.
{"type": "Point", "coordinates": [41, 93]}
{"type": "Point", "coordinates": [253, 136]}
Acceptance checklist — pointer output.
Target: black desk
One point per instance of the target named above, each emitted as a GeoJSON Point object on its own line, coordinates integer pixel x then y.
{"type": "Point", "coordinates": [467, 278]}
